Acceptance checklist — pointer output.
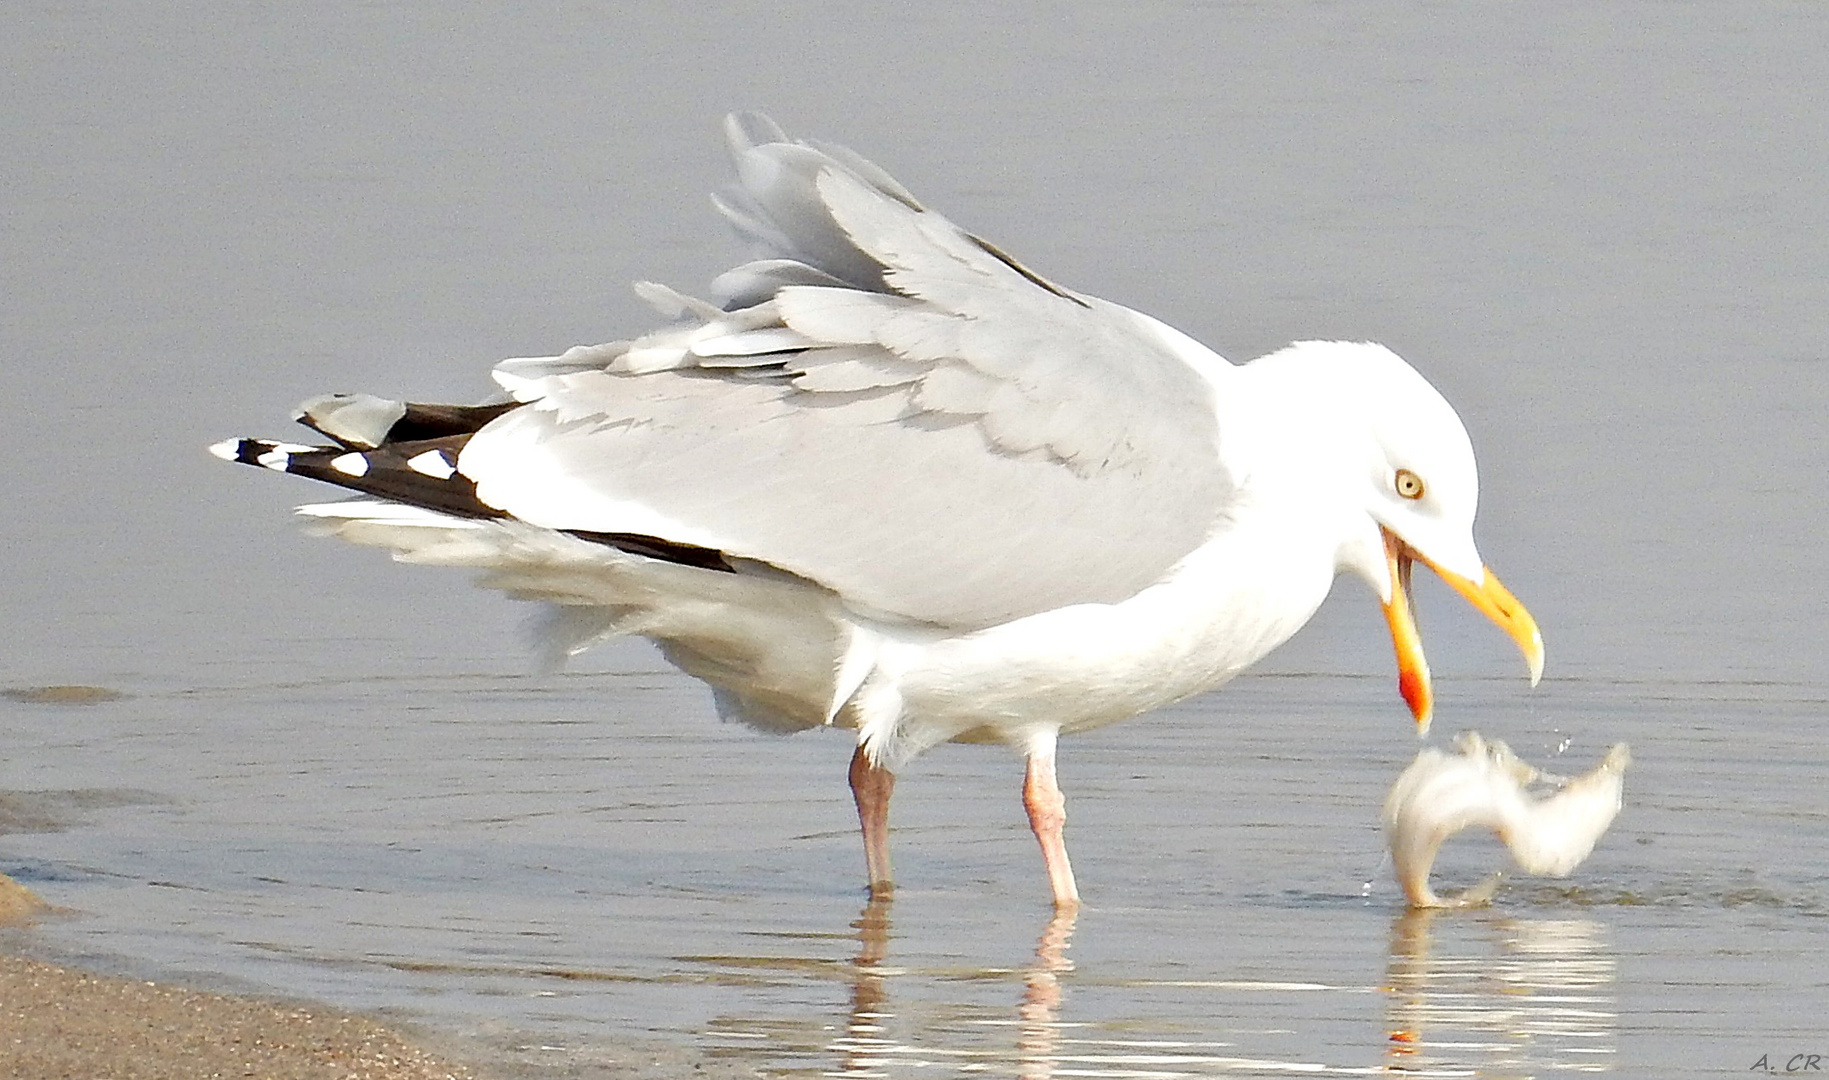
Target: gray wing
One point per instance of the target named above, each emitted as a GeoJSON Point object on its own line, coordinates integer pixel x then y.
{"type": "Point", "coordinates": [882, 404]}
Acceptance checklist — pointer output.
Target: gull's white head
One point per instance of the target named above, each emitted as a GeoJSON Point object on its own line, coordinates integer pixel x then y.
{"type": "Point", "coordinates": [1392, 455]}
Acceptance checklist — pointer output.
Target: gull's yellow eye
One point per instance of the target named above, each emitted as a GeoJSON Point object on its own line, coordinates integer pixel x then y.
{"type": "Point", "coordinates": [1409, 485]}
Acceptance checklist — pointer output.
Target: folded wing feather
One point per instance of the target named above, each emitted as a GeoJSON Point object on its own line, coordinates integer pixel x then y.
{"type": "Point", "coordinates": [884, 405]}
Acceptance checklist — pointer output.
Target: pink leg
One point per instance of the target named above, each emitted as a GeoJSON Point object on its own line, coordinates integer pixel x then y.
{"type": "Point", "coordinates": [1047, 807]}
{"type": "Point", "coordinates": [871, 786]}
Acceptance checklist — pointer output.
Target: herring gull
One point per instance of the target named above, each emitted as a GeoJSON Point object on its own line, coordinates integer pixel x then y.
{"type": "Point", "coordinates": [891, 479]}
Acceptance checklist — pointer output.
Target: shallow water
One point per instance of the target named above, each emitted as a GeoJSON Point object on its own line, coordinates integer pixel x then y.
{"type": "Point", "coordinates": [572, 861]}
{"type": "Point", "coordinates": [1599, 230]}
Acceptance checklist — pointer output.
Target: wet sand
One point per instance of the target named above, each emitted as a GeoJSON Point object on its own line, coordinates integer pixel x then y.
{"type": "Point", "coordinates": [61, 1023]}
{"type": "Point", "coordinates": [58, 1022]}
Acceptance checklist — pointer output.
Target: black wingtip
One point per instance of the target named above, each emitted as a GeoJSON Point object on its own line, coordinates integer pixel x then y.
{"type": "Point", "coordinates": [262, 452]}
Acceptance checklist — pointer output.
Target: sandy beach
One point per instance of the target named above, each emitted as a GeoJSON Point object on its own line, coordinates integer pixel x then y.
{"type": "Point", "coordinates": [63, 1023]}
{"type": "Point", "coordinates": [60, 1023]}
{"type": "Point", "coordinates": [57, 1023]}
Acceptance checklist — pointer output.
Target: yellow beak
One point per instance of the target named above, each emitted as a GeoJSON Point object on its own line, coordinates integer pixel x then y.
{"type": "Point", "coordinates": [1488, 595]}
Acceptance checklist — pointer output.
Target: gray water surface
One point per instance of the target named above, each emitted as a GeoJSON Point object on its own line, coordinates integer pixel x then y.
{"type": "Point", "coordinates": [1599, 229]}
{"type": "Point", "coordinates": [579, 860]}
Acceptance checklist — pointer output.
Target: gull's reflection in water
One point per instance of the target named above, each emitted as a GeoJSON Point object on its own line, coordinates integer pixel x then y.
{"type": "Point", "coordinates": [864, 1049]}
{"type": "Point", "coordinates": [1499, 996]}
{"type": "Point", "coordinates": [1038, 1044]}
{"type": "Point", "coordinates": [1463, 994]}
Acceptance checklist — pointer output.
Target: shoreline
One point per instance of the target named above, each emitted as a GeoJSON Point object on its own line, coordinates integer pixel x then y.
{"type": "Point", "coordinates": [60, 1021]}
{"type": "Point", "coordinates": [65, 1022]}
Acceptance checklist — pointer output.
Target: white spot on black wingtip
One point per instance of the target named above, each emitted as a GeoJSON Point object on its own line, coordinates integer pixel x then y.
{"type": "Point", "coordinates": [276, 456]}
{"type": "Point", "coordinates": [433, 463]}
{"type": "Point", "coordinates": [227, 449]}
{"type": "Point", "coordinates": [350, 465]}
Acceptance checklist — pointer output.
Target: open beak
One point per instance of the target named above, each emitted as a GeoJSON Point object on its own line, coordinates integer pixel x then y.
{"type": "Point", "coordinates": [1492, 599]}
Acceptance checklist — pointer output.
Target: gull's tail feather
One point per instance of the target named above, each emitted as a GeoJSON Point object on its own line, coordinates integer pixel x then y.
{"type": "Point", "coordinates": [753, 635]}
{"type": "Point", "coordinates": [406, 453]}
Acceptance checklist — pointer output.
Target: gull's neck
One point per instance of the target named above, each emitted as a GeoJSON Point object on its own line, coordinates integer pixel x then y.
{"type": "Point", "coordinates": [1300, 454]}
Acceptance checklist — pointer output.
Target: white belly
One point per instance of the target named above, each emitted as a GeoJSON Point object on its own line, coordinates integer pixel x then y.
{"type": "Point", "coordinates": [1081, 667]}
